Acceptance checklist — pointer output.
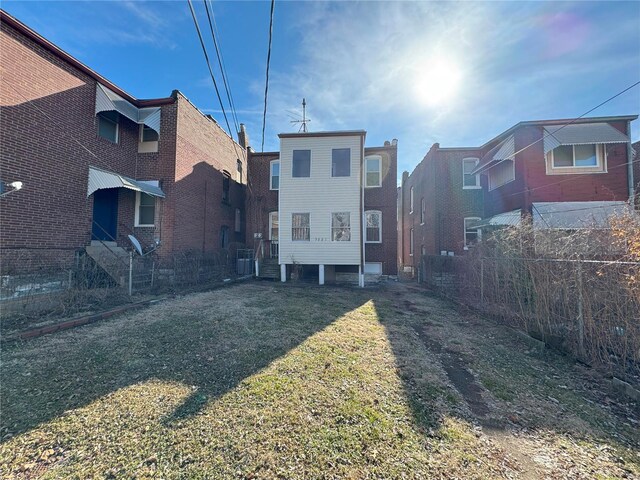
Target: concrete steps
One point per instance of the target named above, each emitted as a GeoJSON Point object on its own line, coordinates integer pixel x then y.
{"type": "Point", "coordinates": [113, 260]}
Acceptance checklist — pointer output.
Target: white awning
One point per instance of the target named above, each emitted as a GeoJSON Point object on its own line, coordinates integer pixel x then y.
{"type": "Point", "coordinates": [106, 100]}
{"type": "Point", "coordinates": [575, 215]}
{"type": "Point", "coordinates": [503, 151]}
{"type": "Point", "coordinates": [581, 134]}
{"type": "Point", "coordinates": [101, 179]}
{"type": "Point", "coordinates": [506, 219]}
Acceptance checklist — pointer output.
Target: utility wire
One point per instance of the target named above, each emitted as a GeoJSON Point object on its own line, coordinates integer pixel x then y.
{"type": "Point", "coordinates": [266, 85]}
{"type": "Point", "coordinates": [206, 56]}
{"type": "Point", "coordinates": [221, 65]}
{"type": "Point", "coordinates": [568, 123]}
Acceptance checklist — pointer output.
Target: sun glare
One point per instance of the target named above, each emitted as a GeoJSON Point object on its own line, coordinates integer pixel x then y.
{"type": "Point", "coordinates": [438, 82]}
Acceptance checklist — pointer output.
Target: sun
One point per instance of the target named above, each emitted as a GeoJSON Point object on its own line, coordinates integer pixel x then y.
{"type": "Point", "coordinates": [438, 81]}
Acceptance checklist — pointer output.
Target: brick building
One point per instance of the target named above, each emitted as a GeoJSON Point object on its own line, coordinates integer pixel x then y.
{"type": "Point", "coordinates": [264, 206]}
{"type": "Point", "coordinates": [98, 164]}
{"type": "Point", "coordinates": [562, 175]}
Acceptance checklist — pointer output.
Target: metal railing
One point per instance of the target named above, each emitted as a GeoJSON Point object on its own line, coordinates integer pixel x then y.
{"type": "Point", "coordinates": [273, 248]}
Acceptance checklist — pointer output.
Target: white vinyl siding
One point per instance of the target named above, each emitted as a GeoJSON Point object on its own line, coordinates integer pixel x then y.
{"type": "Point", "coordinates": [503, 173]}
{"type": "Point", "coordinates": [320, 195]}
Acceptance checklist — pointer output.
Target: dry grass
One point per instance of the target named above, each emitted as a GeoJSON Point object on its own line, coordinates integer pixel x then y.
{"type": "Point", "coordinates": [271, 381]}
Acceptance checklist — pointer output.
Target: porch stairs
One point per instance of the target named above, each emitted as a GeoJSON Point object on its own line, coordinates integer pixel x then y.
{"type": "Point", "coordinates": [112, 259]}
{"type": "Point", "coordinates": [269, 268]}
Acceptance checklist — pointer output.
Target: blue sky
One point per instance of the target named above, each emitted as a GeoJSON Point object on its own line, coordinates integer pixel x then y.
{"type": "Point", "coordinates": [421, 72]}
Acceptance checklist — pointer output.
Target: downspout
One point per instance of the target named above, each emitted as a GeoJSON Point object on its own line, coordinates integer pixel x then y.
{"type": "Point", "coordinates": [630, 166]}
{"type": "Point", "coordinates": [362, 219]}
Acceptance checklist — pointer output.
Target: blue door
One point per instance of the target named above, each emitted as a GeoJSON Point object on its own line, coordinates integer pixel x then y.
{"type": "Point", "coordinates": [105, 215]}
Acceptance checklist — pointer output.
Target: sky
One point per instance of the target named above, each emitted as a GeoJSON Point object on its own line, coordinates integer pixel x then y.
{"type": "Point", "coordinates": [456, 73]}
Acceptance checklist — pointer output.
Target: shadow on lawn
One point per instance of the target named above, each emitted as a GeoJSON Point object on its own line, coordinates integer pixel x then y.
{"type": "Point", "coordinates": [211, 349]}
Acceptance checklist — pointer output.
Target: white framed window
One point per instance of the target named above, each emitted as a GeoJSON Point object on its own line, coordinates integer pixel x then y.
{"type": "Point", "coordinates": [274, 178]}
{"type": "Point", "coordinates": [373, 268]}
{"type": "Point", "coordinates": [301, 164]}
{"type": "Point", "coordinates": [274, 226]}
{"type": "Point", "coordinates": [148, 140]}
{"type": "Point", "coordinates": [145, 210]}
{"type": "Point", "coordinates": [341, 227]}
{"type": "Point", "coordinates": [411, 200]}
{"type": "Point", "coordinates": [472, 235]}
{"type": "Point", "coordinates": [341, 162]}
{"type": "Point", "coordinates": [373, 219]}
{"type": "Point", "coordinates": [470, 181]}
{"type": "Point", "coordinates": [300, 228]}
{"type": "Point", "coordinates": [411, 242]}
{"type": "Point", "coordinates": [239, 170]}
{"type": "Point", "coordinates": [373, 171]}
{"type": "Point", "coordinates": [575, 159]}
{"type": "Point", "coordinates": [238, 220]}
{"type": "Point", "coordinates": [503, 173]}
{"type": "Point", "coordinates": [422, 211]}
{"type": "Point", "coordinates": [109, 125]}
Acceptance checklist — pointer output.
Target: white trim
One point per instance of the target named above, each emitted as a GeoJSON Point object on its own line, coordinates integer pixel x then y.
{"type": "Point", "coordinates": [117, 122]}
{"type": "Point", "coordinates": [379, 159]}
{"type": "Point", "coordinates": [331, 228]}
{"type": "Point", "coordinates": [136, 222]}
{"type": "Point", "coordinates": [493, 187]}
{"type": "Point", "coordinates": [271, 163]}
{"type": "Point", "coordinates": [147, 147]}
{"type": "Point", "coordinates": [379, 227]}
{"type": "Point", "coordinates": [292, 227]}
{"type": "Point", "coordinates": [270, 227]}
{"type": "Point", "coordinates": [464, 231]}
{"type": "Point", "coordinates": [600, 167]}
{"type": "Point", "coordinates": [477, 175]}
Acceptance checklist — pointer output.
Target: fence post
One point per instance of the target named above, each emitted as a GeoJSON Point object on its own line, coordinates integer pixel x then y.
{"type": "Point", "coordinates": [130, 272]}
{"type": "Point", "coordinates": [481, 281]}
{"type": "Point", "coordinates": [581, 352]}
{"type": "Point", "coordinates": [153, 271]}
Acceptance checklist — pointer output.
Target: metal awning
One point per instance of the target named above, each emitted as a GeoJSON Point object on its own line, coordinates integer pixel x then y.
{"type": "Point", "coordinates": [503, 151]}
{"type": "Point", "coordinates": [106, 100]}
{"type": "Point", "coordinates": [506, 219]}
{"type": "Point", "coordinates": [101, 179]}
{"type": "Point", "coordinates": [581, 134]}
{"type": "Point", "coordinates": [576, 215]}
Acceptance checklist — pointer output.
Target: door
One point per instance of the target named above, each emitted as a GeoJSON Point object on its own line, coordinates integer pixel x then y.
{"type": "Point", "coordinates": [273, 234]}
{"type": "Point", "coordinates": [105, 215]}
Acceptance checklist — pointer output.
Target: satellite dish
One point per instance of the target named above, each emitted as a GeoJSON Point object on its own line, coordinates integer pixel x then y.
{"type": "Point", "coordinates": [136, 244]}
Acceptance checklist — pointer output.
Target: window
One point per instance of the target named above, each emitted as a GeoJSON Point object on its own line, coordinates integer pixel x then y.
{"type": "Point", "coordinates": [148, 134]}
{"type": "Point", "coordinates": [470, 181]}
{"type": "Point", "coordinates": [341, 162]}
{"type": "Point", "coordinates": [300, 227]}
{"type": "Point", "coordinates": [373, 268]}
{"type": "Point", "coordinates": [145, 210]}
{"type": "Point", "coordinates": [374, 227]}
{"type": "Point", "coordinates": [422, 211]}
{"type": "Point", "coordinates": [275, 175]}
{"type": "Point", "coordinates": [423, 250]}
{"type": "Point", "coordinates": [301, 166]}
{"type": "Point", "coordinates": [341, 227]}
{"type": "Point", "coordinates": [238, 220]}
{"type": "Point", "coordinates": [411, 200]}
{"type": "Point", "coordinates": [372, 167]}
{"type": "Point", "coordinates": [224, 237]}
{"type": "Point", "coordinates": [226, 185]}
{"type": "Point", "coordinates": [108, 125]}
{"type": "Point", "coordinates": [472, 235]}
{"type": "Point", "coordinates": [273, 226]}
{"type": "Point", "coordinates": [570, 159]}
{"type": "Point", "coordinates": [411, 242]}
{"type": "Point", "coordinates": [504, 172]}
{"type": "Point", "coordinates": [239, 170]}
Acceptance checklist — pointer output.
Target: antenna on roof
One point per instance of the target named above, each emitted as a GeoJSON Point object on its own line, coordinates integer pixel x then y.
{"type": "Point", "coordinates": [305, 120]}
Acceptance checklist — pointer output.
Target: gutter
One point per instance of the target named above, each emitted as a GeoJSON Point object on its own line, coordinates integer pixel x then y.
{"type": "Point", "coordinates": [362, 218]}
{"type": "Point", "coordinates": [630, 180]}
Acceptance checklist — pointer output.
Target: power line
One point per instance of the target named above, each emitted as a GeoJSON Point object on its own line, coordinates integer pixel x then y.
{"type": "Point", "coordinates": [206, 56]}
{"type": "Point", "coordinates": [568, 123]}
{"type": "Point", "coordinates": [221, 65]}
{"type": "Point", "coordinates": [266, 85]}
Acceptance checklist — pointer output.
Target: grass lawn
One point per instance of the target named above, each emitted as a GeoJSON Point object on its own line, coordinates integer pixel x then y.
{"type": "Point", "coordinates": [263, 380]}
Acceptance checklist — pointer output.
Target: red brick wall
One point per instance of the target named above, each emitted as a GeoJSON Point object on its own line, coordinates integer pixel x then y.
{"type": "Point", "coordinates": [384, 200]}
{"type": "Point", "coordinates": [195, 208]}
{"type": "Point", "coordinates": [49, 139]}
{"type": "Point", "coordinates": [261, 200]}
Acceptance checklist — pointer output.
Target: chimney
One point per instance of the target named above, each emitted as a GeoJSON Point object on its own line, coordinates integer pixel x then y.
{"type": "Point", "coordinates": [387, 143]}
{"type": "Point", "coordinates": [405, 177]}
{"type": "Point", "coordinates": [394, 142]}
{"type": "Point", "coordinates": [243, 137]}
